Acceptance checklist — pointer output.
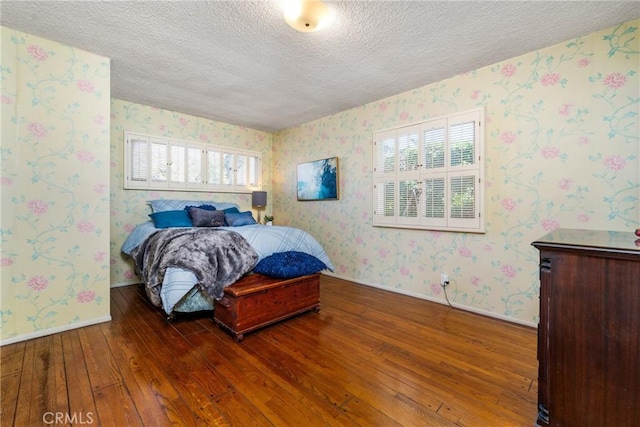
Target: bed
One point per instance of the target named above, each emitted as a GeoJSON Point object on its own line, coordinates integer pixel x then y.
{"type": "Point", "coordinates": [191, 250]}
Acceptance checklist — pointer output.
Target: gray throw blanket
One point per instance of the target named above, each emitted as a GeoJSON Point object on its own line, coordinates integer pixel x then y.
{"type": "Point", "coordinates": [217, 258]}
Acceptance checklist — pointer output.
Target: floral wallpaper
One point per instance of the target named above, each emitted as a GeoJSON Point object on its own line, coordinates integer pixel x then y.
{"type": "Point", "coordinates": [562, 149]}
{"type": "Point", "coordinates": [129, 207]}
{"type": "Point", "coordinates": [54, 186]}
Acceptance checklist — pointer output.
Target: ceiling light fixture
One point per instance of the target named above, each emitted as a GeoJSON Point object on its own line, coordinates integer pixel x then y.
{"type": "Point", "coordinates": [306, 15]}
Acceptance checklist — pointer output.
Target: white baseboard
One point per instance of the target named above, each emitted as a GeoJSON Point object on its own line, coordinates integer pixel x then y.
{"type": "Point", "coordinates": [439, 301]}
{"type": "Point", "coordinates": [52, 331]}
{"type": "Point", "coordinates": [127, 283]}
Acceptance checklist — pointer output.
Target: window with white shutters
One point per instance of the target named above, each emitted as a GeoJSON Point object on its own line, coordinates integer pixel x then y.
{"type": "Point", "coordinates": [241, 169]}
{"type": "Point", "coordinates": [385, 199]}
{"type": "Point", "coordinates": [434, 201]}
{"type": "Point", "coordinates": [228, 169]}
{"type": "Point", "coordinates": [433, 144]}
{"type": "Point", "coordinates": [384, 178]}
{"type": "Point", "coordinates": [252, 174]}
{"type": "Point", "coordinates": [178, 165]}
{"type": "Point", "coordinates": [169, 164]}
{"type": "Point", "coordinates": [159, 162]}
{"type": "Point", "coordinates": [195, 167]}
{"type": "Point", "coordinates": [430, 175]}
{"type": "Point", "coordinates": [139, 160]}
{"type": "Point", "coordinates": [214, 167]}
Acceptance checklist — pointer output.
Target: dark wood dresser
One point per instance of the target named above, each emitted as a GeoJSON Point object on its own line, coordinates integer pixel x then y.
{"type": "Point", "coordinates": [589, 331]}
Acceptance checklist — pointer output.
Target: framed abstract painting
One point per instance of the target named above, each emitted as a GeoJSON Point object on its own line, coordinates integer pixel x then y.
{"type": "Point", "coordinates": [318, 180]}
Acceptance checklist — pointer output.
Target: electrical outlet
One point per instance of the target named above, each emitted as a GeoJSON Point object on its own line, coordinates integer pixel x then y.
{"type": "Point", "coordinates": [444, 280]}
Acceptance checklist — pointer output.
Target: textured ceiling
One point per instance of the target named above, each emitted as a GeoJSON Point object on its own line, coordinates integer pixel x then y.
{"type": "Point", "coordinates": [239, 62]}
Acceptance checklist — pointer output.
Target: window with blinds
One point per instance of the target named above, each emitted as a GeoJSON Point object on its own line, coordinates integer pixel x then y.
{"type": "Point", "coordinates": [159, 161]}
{"type": "Point", "coordinates": [429, 175]}
{"type": "Point", "coordinates": [139, 155]}
{"type": "Point", "coordinates": [169, 164]}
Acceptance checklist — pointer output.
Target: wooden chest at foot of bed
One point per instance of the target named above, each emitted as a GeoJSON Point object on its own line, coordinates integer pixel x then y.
{"type": "Point", "coordinates": [256, 301]}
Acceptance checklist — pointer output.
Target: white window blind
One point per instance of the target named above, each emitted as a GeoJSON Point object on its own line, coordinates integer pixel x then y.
{"type": "Point", "coordinates": [385, 202]}
{"type": "Point", "coordinates": [169, 164]}
{"type": "Point", "coordinates": [429, 175]}
{"type": "Point", "coordinates": [434, 198]}
{"type": "Point", "coordinates": [253, 177]}
{"type": "Point", "coordinates": [228, 169]}
{"type": "Point", "coordinates": [462, 144]}
{"type": "Point", "coordinates": [386, 154]}
{"type": "Point", "coordinates": [195, 167]}
{"type": "Point", "coordinates": [407, 143]}
{"type": "Point", "coordinates": [159, 161]}
{"type": "Point", "coordinates": [140, 160]}
{"type": "Point", "coordinates": [410, 192]}
{"type": "Point", "coordinates": [214, 167]}
{"type": "Point", "coordinates": [178, 163]}
{"type": "Point", "coordinates": [241, 169]}
{"type": "Point", "coordinates": [463, 196]}
{"type": "Point", "coordinates": [433, 143]}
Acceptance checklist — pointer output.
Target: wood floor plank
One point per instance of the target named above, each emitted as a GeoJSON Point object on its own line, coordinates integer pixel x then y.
{"type": "Point", "coordinates": [444, 364]}
{"type": "Point", "coordinates": [106, 380]}
{"type": "Point", "coordinates": [102, 369]}
{"type": "Point", "coordinates": [9, 387]}
{"type": "Point", "coordinates": [56, 393]}
{"type": "Point", "coordinates": [181, 365]}
{"type": "Point", "coordinates": [369, 357]}
{"type": "Point", "coordinates": [115, 407]}
{"type": "Point", "coordinates": [11, 358]}
{"type": "Point", "coordinates": [277, 351]}
{"type": "Point", "coordinates": [186, 325]}
{"type": "Point", "coordinates": [361, 386]}
{"type": "Point", "coordinates": [134, 366]}
{"type": "Point", "coordinates": [279, 402]}
{"type": "Point", "coordinates": [364, 414]}
{"type": "Point", "coordinates": [238, 411]}
{"type": "Point", "coordinates": [81, 401]}
{"type": "Point", "coordinates": [352, 356]}
{"type": "Point", "coordinates": [23, 405]}
{"type": "Point", "coordinates": [39, 388]}
{"type": "Point", "coordinates": [11, 368]}
{"type": "Point", "coordinates": [163, 377]}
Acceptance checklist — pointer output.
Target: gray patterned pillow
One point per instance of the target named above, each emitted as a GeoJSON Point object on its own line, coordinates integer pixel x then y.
{"type": "Point", "coordinates": [206, 218]}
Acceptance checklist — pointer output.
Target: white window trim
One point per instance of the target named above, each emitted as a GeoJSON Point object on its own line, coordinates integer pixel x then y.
{"type": "Point", "coordinates": [234, 184]}
{"type": "Point", "coordinates": [403, 170]}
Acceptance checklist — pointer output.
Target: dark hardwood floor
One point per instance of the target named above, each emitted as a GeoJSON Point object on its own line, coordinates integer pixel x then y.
{"type": "Point", "coordinates": [368, 358]}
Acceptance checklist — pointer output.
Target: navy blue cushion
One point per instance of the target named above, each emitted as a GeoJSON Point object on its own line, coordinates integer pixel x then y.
{"type": "Point", "coordinates": [169, 219]}
{"type": "Point", "coordinates": [231, 210]}
{"type": "Point", "coordinates": [286, 265]}
{"type": "Point", "coordinates": [205, 207]}
{"type": "Point", "coordinates": [206, 218]}
{"type": "Point", "coordinates": [239, 219]}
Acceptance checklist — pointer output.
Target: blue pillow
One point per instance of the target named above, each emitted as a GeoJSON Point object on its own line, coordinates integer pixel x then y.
{"type": "Point", "coordinates": [205, 207]}
{"type": "Point", "coordinates": [162, 205]}
{"type": "Point", "coordinates": [286, 265]}
{"type": "Point", "coordinates": [168, 219]}
{"type": "Point", "coordinates": [239, 219]}
{"type": "Point", "coordinates": [206, 218]}
{"type": "Point", "coordinates": [231, 210]}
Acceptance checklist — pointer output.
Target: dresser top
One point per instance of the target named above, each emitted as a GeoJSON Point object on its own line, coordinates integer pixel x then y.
{"type": "Point", "coordinates": [614, 241]}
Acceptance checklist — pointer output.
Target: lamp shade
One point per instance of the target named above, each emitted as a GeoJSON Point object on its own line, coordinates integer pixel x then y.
{"type": "Point", "coordinates": [259, 199]}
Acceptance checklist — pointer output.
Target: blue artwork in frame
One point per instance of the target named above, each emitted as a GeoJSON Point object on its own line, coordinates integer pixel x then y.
{"type": "Point", "coordinates": [318, 180]}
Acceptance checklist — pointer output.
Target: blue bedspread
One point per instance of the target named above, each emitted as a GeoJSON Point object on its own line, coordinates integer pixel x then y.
{"type": "Point", "coordinates": [263, 239]}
